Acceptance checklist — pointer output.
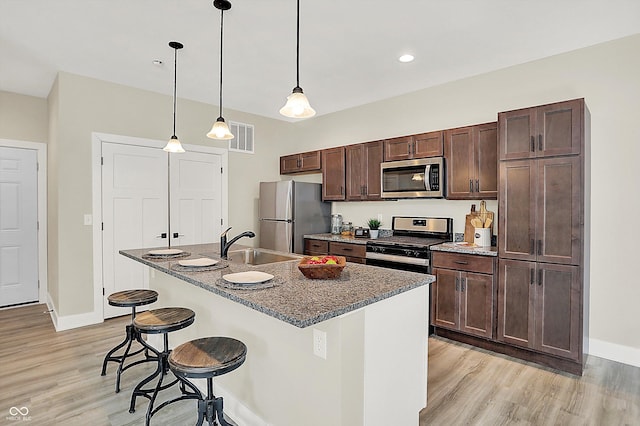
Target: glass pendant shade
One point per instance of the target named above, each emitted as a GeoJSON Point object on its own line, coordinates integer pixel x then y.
{"type": "Point", "coordinates": [220, 130]}
{"type": "Point", "coordinates": [297, 105]}
{"type": "Point", "coordinates": [174, 145]}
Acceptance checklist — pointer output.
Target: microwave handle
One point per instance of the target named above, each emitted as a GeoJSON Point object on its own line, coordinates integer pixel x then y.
{"type": "Point", "coordinates": [427, 179]}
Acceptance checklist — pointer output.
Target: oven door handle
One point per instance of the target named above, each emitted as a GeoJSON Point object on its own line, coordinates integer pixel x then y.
{"type": "Point", "coordinates": [397, 259]}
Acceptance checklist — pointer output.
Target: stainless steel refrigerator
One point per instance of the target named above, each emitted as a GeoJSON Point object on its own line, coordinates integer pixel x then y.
{"type": "Point", "coordinates": [288, 211]}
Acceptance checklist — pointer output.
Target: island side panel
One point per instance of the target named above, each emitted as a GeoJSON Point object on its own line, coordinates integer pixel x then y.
{"type": "Point", "coordinates": [396, 358]}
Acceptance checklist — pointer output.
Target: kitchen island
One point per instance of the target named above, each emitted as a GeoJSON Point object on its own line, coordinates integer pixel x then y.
{"type": "Point", "coordinates": [368, 330]}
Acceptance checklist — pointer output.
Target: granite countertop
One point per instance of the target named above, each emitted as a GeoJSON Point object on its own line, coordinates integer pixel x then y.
{"type": "Point", "coordinates": [466, 248]}
{"type": "Point", "coordinates": [338, 238]}
{"type": "Point", "coordinates": [294, 298]}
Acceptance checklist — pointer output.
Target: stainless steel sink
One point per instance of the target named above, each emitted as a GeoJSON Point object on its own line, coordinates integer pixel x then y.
{"type": "Point", "coordinates": [257, 257]}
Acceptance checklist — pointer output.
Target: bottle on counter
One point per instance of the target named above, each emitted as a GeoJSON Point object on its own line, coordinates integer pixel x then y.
{"type": "Point", "coordinates": [336, 224]}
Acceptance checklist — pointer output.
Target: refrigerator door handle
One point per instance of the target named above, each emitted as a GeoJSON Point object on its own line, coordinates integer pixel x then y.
{"type": "Point", "coordinates": [289, 203]}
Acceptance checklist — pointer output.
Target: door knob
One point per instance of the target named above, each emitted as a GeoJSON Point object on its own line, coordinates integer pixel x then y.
{"type": "Point", "coordinates": [163, 235]}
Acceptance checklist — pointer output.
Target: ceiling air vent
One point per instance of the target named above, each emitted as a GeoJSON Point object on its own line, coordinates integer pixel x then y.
{"type": "Point", "coordinates": [243, 137]}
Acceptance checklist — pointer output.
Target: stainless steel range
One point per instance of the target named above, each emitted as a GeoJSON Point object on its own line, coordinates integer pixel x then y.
{"type": "Point", "coordinates": [408, 248]}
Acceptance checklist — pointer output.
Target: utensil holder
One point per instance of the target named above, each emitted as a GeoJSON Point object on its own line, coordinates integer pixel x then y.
{"type": "Point", "coordinates": [482, 237]}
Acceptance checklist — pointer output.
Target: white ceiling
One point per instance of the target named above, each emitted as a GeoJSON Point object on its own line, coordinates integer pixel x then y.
{"type": "Point", "coordinates": [348, 48]}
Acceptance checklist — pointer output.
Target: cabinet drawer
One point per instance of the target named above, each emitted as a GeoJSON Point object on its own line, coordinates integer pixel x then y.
{"type": "Point", "coordinates": [347, 250]}
{"type": "Point", "coordinates": [316, 246]}
{"type": "Point", "coordinates": [463, 262]}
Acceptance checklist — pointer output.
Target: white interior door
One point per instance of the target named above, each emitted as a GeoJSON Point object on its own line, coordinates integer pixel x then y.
{"type": "Point", "coordinates": [196, 198]}
{"type": "Point", "coordinates": [18, 226]}
{"type": "Point", "coordinates": [134, 204]}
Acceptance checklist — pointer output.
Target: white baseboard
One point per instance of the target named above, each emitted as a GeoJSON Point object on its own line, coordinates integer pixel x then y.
{"type": "Point", "coordinates": [614, 352]}
{"type": "Point", "coordinates": [68, 322]}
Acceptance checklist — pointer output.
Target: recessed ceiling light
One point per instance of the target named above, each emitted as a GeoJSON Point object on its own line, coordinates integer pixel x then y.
{"type": "Point", "coordinates": [406, 58]}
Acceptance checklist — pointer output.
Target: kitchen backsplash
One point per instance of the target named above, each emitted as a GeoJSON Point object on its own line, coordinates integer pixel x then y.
{"type": "Point", "coordinates": [358, 213]}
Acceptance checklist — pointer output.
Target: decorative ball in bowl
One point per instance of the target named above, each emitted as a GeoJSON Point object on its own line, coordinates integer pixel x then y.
{"type": "Point", "coordinates": [322, 267]}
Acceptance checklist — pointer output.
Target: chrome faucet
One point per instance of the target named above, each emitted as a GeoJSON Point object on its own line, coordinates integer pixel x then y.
{"type": "Point", "coordinates": [224, 245]}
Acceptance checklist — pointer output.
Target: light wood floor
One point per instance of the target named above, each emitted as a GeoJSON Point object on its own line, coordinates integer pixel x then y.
{"type": "Point", "coordinates": [471, 386]}
{"type": "Point", "coordinates": [57, 377]}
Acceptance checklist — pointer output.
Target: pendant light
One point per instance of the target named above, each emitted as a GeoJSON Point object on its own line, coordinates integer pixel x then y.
{"type": "Point", "coordinates": [174, 144]}
{"type": "Point", "coordinates": [297, 105]}
{"type": "Point", "coordinates": [220, 130]}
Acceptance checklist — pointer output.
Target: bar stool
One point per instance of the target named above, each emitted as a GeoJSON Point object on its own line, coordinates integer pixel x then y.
{"type": "Point", "coordinates": [206, 358]}
{"type": "Point", "coordinates": [160, 321]}
{"type": "Point", "coordinates": [128, 299]}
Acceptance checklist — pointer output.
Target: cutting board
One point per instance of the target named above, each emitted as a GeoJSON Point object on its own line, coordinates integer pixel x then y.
{"type": "Point", "coordinates": [468, 227]}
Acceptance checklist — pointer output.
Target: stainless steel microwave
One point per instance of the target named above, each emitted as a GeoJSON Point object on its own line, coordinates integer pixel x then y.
{"type": "Point", "coordinates": [421, 178]}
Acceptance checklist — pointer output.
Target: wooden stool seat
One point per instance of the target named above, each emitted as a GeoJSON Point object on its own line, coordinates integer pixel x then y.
{"type": "Point", "coordinates": [131, 298]}
{"type": "Point", "coordinates": [164, 320]}
{"type": "Point", "coordinates": [128, 299]}
{"type": "Point", "coordinates": [205, 358]}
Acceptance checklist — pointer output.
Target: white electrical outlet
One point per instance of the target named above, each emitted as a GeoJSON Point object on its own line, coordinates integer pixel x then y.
{"type": "Point", "coordinates": [320, 343]}
{"type": "Point", "coordinates": [380, 217]}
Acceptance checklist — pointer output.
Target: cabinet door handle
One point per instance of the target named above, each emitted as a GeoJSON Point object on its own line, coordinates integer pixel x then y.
{"type": "Point", "coordinates": [461, 262]}
{"type": "Point", "coordinates": [532, 246]}
{"type": "Point", "coordinates": [365, 190]}
{"type": "Point", "coordinates": [470, 185]}
{"type": "Point", "coordinates": [539, 277]}
{"type": "Point", "coordinates": [477, 186]}
{"type": "Point", "coordinates": [342, 190]}
{"type": "Point", "coordinates": [533, 277]}
{"type": "Point", "coordinates": [457, 284]}
{"type": "Point", "coordinates": [533, 143]}
{"type": "Point", "coordinates": [298, 162]}
{"type": "Point", "coordinates": [539, 247]}
{"type": "Point", "coordinates": [177, 235]}
{"type": "Point", "coordinates": [540, 142]}
{"type": "Point", "coordinates": [462, 282]}
{"type": "Point", "coordinates": [347, 249]}
{"type": "Point", "coordinates": [410, 148]}
{"type": "Point", "coordinates": [163, 235]}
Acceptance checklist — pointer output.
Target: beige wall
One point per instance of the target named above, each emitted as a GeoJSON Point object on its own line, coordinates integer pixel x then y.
{"type": "Point", "coordinates": [23, 117]}
{"type": "Point", "coordinates": [607, 77]}
{"type": "Point", "coordinates": [86, 105]}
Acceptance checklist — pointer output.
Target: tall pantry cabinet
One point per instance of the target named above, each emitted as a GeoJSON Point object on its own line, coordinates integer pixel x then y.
{"type": "Point", "coordinates": [541, 252]}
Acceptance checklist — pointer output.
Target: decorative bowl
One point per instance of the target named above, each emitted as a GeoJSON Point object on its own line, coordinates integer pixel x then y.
{"type": "Point", "coordinates": [322, 271]}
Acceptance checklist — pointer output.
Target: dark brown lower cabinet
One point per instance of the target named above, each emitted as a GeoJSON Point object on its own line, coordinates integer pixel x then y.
{"type": "Point", "coordinates": [353, 252]}
{"type": "Point", "coordinates": [540, 307]}
{"type": "Point", "coordinates": [462, 298]}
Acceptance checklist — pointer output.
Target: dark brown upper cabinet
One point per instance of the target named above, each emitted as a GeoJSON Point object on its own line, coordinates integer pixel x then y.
{"type": "Point", "coordinates": [415, 146]}
{"type": "Point", "coordinates": [471, 162]}
{"type": "Point", "coordinates": [300, 163]}
{"type": "Point", "coordinates": [333, 174]}
{"type": "Point", "coordinates": [541, 210]}
{"type": "Point", "coordinates": [363, 171]}
{"type": "Point", "coordinates": [543, 131]}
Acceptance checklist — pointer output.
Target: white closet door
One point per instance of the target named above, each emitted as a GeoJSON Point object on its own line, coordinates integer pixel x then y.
{"type": "Point", "coordinates": [196, 191]}
{"type": "Point", "coordinates": [18, 226]}
{"type": "Point", "coordinates": [134, 203]}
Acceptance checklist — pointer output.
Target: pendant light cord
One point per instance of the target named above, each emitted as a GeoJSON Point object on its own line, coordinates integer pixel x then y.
{"type": "Point", "coordinates": [221, 25]}
{"type": "Point", "coordinates": [175, 83]}
{"type": "Point", "coordinates": [298, 45]}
